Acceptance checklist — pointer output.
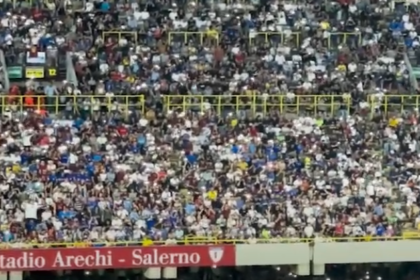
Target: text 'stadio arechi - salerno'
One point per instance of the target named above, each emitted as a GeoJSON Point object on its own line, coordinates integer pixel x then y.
{"type": "Point", "coordinates": [116, 257]}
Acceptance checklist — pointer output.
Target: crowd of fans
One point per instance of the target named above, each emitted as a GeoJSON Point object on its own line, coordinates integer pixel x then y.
{"type": "Point", "coordinates": [165, 134]}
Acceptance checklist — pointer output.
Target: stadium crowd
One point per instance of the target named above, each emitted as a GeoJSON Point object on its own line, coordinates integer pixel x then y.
{"type": "Point", "coordinates": [114, 159]}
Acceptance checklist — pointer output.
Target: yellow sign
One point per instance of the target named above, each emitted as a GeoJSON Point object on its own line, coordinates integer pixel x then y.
{"type": "Point", "coordinates": [411, 234]}
{"type": "Point", "coordinates": [34, 73]}
{"type": "Point", "coordinates": [52, 72]}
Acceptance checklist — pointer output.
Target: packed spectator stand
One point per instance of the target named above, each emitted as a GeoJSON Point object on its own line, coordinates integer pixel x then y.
{"type": "Point", "coordinates": [174, 121]}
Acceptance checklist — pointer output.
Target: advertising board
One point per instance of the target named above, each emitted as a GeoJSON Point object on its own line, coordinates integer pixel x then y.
{"type": "Point", "coordinates": [302, 253]}
{"type": "Point", "coordinates": [52, 72]}
{"type": "Point", "coordinates": [34, 72]}
{"type": "Point", "coordinates": [14, 72]}
{"type": "Point", "coordinates": [116, 257]}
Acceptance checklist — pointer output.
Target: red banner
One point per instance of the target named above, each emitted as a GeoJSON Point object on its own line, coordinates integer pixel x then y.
{"type": "Point", "coordinates": [117, 257]}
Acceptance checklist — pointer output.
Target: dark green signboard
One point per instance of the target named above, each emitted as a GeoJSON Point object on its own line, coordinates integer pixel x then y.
{"type": "Point", "coordinates": [15, 72]}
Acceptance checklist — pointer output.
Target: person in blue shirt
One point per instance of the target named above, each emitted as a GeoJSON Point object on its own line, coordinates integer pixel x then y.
{"type": "Point", "coordinates": [104, 6]}
{"type": "Point", "coordinates": [272, 152]}
{"type": "Point", "coordinates": [396, 26]}
{"type": "Point", "coordinates": [64, 158]}
{"type": "Point", "coordinates": [380, 230]}
{"type": "Point", "coordinates": [191, 158]}
{"type": "Point", "coordinates": [235, 149]}
{"type": "Point", "coordinates": [66, 214]}
{"type": "Point", "coordinates": [50, 91]}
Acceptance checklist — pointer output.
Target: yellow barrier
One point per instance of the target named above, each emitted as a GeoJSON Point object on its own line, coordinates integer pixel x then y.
{"type": "Point", "coordinates": [184, 37]}
{"type": "Point", "coordinates": [119, 35]}
{"type": "Point", "coordinates": [394, 103]}
{"type": "Point", "coordinates": [55, 104]}
{"type": "Point", "coordinates": [348, 38]}
{"type": "Point", "coordinates": [210, 36]}
{"type": "Point", "coordinates": [209, 241]}
{"type": "Point", "coordinates": [281, 38]}
{"type": "Point", "coordinates": [256, 103]}
{"type": "Point", "coordinates": [411, 234]}
{"type": "Point", "coordinates": [252, 103]}
{"type": "Point", "coordinates": [295, 38]}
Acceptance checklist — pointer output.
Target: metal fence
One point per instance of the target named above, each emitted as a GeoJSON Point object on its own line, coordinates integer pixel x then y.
{"type": "Point", "coordinates": [333, 40]}
{"type": "Point", "coordinates": [251, 103]}
{"type": "Point", "coordinates": [254, 103]}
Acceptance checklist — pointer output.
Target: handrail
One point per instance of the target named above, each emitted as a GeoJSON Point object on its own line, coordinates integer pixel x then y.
{"type": "Point", "coordinates": [202, 36]}
{"type": "Point", "coordinates": [5, 72]}
{"type": "Point", "coordinates": [256, 103]}
{"type": "Point", "coordinates": [52, 105]}
{"type": "Point", "coordinates": [333, 40]}
{"type": "Point", "coordinates": [206, 241]}
{"type": "Point", "coordinates": [413, 80]}
{"type": "Point", "coordinates": [252, 103]}
{"type": "Point", "coordinates": [70, 72]}
{"type": "Point", "coordinates": [394, 103]}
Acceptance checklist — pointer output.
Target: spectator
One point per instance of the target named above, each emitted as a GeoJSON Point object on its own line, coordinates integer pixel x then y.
{"type": "Point", "coordinates": [165, 134]}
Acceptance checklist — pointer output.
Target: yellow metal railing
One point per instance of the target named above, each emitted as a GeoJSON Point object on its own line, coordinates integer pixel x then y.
{"type": "Point", "coordinates": [257, 103]}
{"type": "Point", "coordinates": [295, 38]}
{"type": "Point", "coordinates": [283, 38]}
{"type": "Point", "coordinates": [253, 102]}
{"type": "Point", "coordinates": [184, 37]}
{"type": "Point", "coordinates": [123, 103]}
{"type": "Point", "coordinates": [348, 38]}
{"type": "Point", "coordinates": [290, 38]}
{"type": "Point", "coordinates": [209, 241]}
{"type": "Point", "coordinates": [210, 36]}
{"type": "Point", "coordinates": [119, 35]}
{"type": "Point", "coordinates": [394, 103]}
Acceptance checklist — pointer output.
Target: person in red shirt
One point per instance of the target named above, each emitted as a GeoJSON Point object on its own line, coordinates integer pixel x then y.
{"type": "Point", "coordinates": [42, 171]}
{"type": "Point", "coordinates": [14, 92]}
{"type": "Point", "coordinates": [122, 130]}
